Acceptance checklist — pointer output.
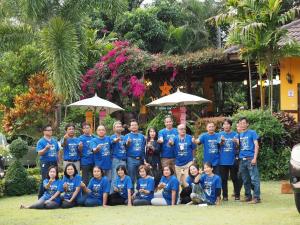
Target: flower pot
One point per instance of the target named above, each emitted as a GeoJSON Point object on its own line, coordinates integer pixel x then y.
{"type": "Point", "coordinates": [286, 187]}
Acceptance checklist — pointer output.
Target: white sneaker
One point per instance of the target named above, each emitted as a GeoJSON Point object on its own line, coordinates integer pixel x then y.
{"type": "Point", "coordinates": [202, 205]}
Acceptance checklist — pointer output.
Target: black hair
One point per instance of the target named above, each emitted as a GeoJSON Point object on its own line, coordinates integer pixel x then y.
{"type": "Point", "coordinates": [194, 165]}
{"type": "Point", "coordinates": [228, 121]}
{"type": "Point", "coordinates": [122, 167]}
{"type": "Point", "coordinates": [170, 168]}
{"type": "Point", "coordinates": [85, 124]}
{"type": "Point", "coordinates": [69, 125]}
{"type": "Point", "coordinates": [146, 168]}
{"type": "Point", "coordinates": [74, 167]}
{"type": "Point", "coordinates": [133, 121]}
{"type": "Point", "coordinates": [46, 126]}
{"type": "Point", "coordinates": [148, 134]}
{"type": "Point", "coordinates": [208, 164]}
{"type": "Point", "coordinates": [101, 170]}
{"type": "Point", "coordinates": [56, 169]}
{"type": "Point", "coordinates": [243, 118]}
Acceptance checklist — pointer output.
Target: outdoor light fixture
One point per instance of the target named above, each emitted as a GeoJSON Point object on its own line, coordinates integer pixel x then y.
{"type": "Point", "coordinates": [289, 78]}
{"type": "Point", "coordinates": [148, 83]}
{"type": "Point", "coordinates": [245, 82]}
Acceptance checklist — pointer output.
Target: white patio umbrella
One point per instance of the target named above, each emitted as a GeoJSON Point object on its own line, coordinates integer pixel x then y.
{"type": "Point", "coordinates": [178, 98]}
{"type": "Point", "coordinates": [97, 104]}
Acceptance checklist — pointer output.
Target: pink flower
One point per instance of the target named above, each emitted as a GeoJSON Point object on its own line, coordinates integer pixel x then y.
{"type": "Point", "coordinates": [173, 75]}
{"type": "Point", "coordinates": [121, 43]}
{"type": "Point", "coordinates": [169, 64]}
{"type": "Point", "coordinates": [112, 66]}
{"type": "Point", "coordinates": [112, 53]}
{"type": "Point", "coordinates": [109, 95]}
{"type": "Point", "coordinates": [90, 72]}
{"type": "Point", "coordinates": [137, 87]}
{"type": "Point", "coordinates": [120, 59]}
{"type": "Point", "coordinates": [120, 84]}
{"type": "Point", "coordinates": [83, 86]}
{"type": "Point", "coordinates": [154, 68]}
{"type": "Point", "coordinates": [105, 58]}
{"type": "Point", "coordinates": [99, 65]}
{"type": "Point", "coordinates": [99, 85]}
{"type": "Point", "coordinates": [92, 90]}
{"type": "Point", "coordinates": [114, 73]}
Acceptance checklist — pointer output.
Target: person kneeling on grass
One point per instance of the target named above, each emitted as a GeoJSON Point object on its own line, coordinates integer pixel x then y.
{"type": "Point", "coordinates": [192, 180]}
{"type": "Point", "coordinates": [122, 188]}
{"type": "Point", "coordinates": [170, 188]}
{"type": "Point", "coordinates": [71, 184]}
{"type": "Point", "coordinates": [97, 190]}
{"type": "Point", "coordinates": [145, 188]}
{"type": "Point", "coordinates": [51, 197]}
{"type": "Point", "coordinates": [208, 191]}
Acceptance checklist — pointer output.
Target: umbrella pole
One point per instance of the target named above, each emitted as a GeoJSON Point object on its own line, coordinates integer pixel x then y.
{"type": "Point", "coordinates": [94, 125]}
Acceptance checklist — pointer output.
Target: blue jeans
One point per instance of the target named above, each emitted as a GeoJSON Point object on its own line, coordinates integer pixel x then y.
{"type": "Point", "coordinates": [115, 163]}
{"type": "Point", "coordinates": [132, 167]}
{"type": "Point", "coordinates": [250, 175]}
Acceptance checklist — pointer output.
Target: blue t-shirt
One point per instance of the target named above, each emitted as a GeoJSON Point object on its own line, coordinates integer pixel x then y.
{"type": "Point", "coordinates": [87, 156]}
{"type": "Point", "coordinates": [123, 186]}
{"type": "Point", "coordinates": [209, 185]}
{"type": "Point", "coordinates": [98, 187]}
{"type": "Point", "coordinates": [183, 150]}
{"type": "Point", "coordinates": [56, 185]}
{"type": "Point", "coordinates": [146, 184]}
{"type": "Point", "coordinates": [228, 148]}
{"type": "Point", "coordinates": [247, 147]}
{"type": "Point", "coordinates": [137, 145]}
{"type": "Point", "coordinates": [50, 155]}
{"type": "Point", "coordinates": [72, 185]}
{"type": "Point", "coordinates": [211, 148]}
{"type": "Point", "coordinates": [118, 148]}
{"type": "Point", "coordinates": [189, 180]}
{"type": "Point", "coordinates": [103, 157]}
{"type": "Point", "coordinates": [71, 152]}
{"type": "Point", "coordinates": [167, 150]}
{"type": "Point", "coordinates": [172, 184]}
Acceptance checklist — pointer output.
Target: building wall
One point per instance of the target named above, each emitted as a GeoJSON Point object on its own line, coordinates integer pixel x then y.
{"type": "Point", "coordinates": [289, 92]}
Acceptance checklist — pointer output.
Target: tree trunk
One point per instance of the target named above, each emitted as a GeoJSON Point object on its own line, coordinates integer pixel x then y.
{"type": "Point", "coordinates": [271, 88]}
{"type": "Point", "coordinates": [250, 85]}
{"type": "Point", "coordinates": [261, 92]}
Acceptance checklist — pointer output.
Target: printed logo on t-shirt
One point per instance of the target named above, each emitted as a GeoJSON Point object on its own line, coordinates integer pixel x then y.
{"type": "Point", "coordinates": [53, 189]}
{"type": "Point", "coordinates": [122, 149]}
{"type": "Point", "coordinates": [244, 144]}
{"type": "Point", "coordinates": [52, 151]}
{"type": "Point", "coordinates": [182, 149]}
{"type": "Point", "coordinates": [90, 150]}
{"type": "Point", "coordinates": [207, 187]}
{"type": "Point", "coordinates": [212, 146]}
{"type": "Point", "coordinates": [227, 145]}
{"type": "Point", "coordinates": [137, 144]}
{"type": "Point", "coordinates": [72, 149]}
{"type": "Point", "coordinates": [104, 149]}
{"type": "Point", "coordinates": [121, 188]}
{"type": "Point", "coordinates": [143, 186]}
{"type": "Point", "coordinates": [96, 189]}
{"type": "Point", "coordinates": [70, 188]}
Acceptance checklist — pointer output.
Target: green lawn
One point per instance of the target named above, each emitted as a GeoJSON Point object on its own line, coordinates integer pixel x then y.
{"type": "Point", "coordinates": [274, 209]}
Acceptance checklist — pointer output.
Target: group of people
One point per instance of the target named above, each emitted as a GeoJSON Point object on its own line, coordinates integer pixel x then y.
{"type": "Point", "coordinates": [156, 169]}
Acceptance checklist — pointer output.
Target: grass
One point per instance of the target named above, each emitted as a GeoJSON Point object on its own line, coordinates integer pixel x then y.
{"type": "Point", "coordinates": [275, 209]}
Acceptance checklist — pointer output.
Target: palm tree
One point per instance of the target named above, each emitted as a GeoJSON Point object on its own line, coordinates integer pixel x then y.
{"type": "Point", "coordinates": [256, 26]}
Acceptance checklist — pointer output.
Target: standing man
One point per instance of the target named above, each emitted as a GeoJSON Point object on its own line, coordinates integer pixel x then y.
{"type": "Point", "coordinates": [229, 142]}
{"type": "Point", "coordinates": [87, 156]}
{"type": "Point", "coordinates": [166, 138]}
{"type": "Point", "coordinates": [248, 161]}
{"type": "Point", "coordinates": [118, 149]}
{"type": "Point", "coordinates": [71, 144]}
{"type": "Point", "coordinates": [135, 146]}
{"type": "Point", "coordinates": [184, 153]}
{"type": "Point", "coordinates": [47, 148]}
{"type": "Point", "coordinates": [211, 146]}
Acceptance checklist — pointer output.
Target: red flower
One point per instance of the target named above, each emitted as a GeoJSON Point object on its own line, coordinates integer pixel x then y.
{"type": "Point", "coordinates": [120, 59]}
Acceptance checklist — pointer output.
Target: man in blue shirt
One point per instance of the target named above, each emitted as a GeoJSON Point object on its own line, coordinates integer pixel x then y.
{"type": "Point", "coordinates": [184, 153]}
{"type": "Point", "coordinates": [87, 155]}
{"type": "Point", "coordinates": [229, 141]}
{"type": "Point", "coordinates": [118, 149]}
{"type": "Point", "coordinates": [166, 138]}
{"type": "Point", "coordinates": [211, 146]}
{"type": "Point", "coordinates": [71, 145]}
{"type": "Point", "coordinates": [47, 148]}
{"type": "Point", "coordinates": [135, 147]}
{"type": "Point", "coordinates": [248, 161]}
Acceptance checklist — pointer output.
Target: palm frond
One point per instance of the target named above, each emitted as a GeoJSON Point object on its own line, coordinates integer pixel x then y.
{"type": "Point", "coordinates": [289, 16]}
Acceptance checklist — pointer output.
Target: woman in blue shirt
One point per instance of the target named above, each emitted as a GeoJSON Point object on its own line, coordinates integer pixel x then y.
{"type": "Point", "coordinates": [51, 197]}
{"type": "Point", "coordinates": [122, 188]}
{"type": "Point", "coordinates": [152, 159]}
{"type": "Point", "coordinates": [97, 190]}
{"type": "Point", "coordinates": [145, 188]}
{"type": "Point", "coordinates": [169, 186]}
{"type": "Point", "coordinates": [71, 184]}
{"type": "Point", "coordinates": [189, 183]}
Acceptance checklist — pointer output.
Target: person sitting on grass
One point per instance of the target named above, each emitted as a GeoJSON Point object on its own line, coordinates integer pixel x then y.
{"type": "Point", "coordinates": [71, 184]}
{"type": "Point", "coordinates": [122, 188]}
{"type": "Point", "coordinates": [97, 191]}
{"type": "Point", "coordinates": [51, 197]}
{"type": "Point", "coordinates": [189, 184]}
{"type": "Point", "coordinates": [145, 187]}
{"type": "Point", "coordinates": [208, 191]}
{"type": "Point", "coordinates": [170, 188]}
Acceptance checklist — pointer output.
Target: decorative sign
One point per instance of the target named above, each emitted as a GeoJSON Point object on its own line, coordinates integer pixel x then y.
{"type": "Point", "coordinates": [165, 89]}
{"type": "Point", "coordinates": [102, 114]}
{"type": "Point", "coordinates": [291, 93]}
{"type": "Point", "coordinates": [89, 117]}
{"type": "Point", "coordinates": [182, 115]}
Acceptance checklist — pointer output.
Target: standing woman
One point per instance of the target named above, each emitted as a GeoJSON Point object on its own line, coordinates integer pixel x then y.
{"type": "Point", "coordinates": [145, 188]}
{"type": "Point", "coordinates": [71, 184]}
{"type": "Point", "coordinates": [122, 188]}
{"type": "Point", "coordinates": [51, 197]}
{"type": "Point", "coordinates": [189, 184]}
{"type": "Point", "coordinates": [170, 186]}
{"type": "Point", "coordinates": [152, 159]}
{"type": "Point", "coordinates": [97, 190]}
